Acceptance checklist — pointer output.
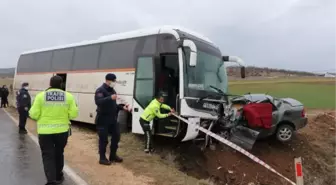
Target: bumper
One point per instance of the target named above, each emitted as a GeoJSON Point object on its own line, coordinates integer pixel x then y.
{"type": "Point", "coordinates": [301, 123]}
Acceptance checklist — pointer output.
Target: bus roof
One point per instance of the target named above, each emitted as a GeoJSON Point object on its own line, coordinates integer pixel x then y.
{"type": "Point", "coordinates": [126, 35]}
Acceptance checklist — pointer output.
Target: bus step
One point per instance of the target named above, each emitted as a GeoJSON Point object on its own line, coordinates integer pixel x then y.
{"type": "Point", "coordinates": [166, 134]}
{"type": "Point", "coordinates": [170, 127]}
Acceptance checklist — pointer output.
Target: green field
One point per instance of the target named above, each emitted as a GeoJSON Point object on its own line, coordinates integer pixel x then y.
{"type": "Point", "coordinates": [313, 93]}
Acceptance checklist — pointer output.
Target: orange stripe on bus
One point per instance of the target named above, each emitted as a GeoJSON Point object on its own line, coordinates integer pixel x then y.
{"type": "Point", "coordinates": [80, 71]}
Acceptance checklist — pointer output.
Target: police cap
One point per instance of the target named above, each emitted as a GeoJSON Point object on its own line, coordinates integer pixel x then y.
{"type": "Point", "coordinates": [110, 77]}
{"type": "Point", "coordinates": [24, 84]}
{"type": "Point", "coordinates": [162, 94]}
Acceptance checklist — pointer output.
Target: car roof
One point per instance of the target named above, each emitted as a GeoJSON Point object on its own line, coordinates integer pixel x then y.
{"type": "Point", "coordinates": [257, 97]}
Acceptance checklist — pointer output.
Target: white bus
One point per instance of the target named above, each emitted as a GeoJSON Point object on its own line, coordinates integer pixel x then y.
{"type": "Point", "coordinates": [138, 58]}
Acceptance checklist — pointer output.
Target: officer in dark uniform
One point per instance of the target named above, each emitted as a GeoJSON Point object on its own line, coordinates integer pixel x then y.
{"type": "Point", "coordinates": [4, 96]}
{"type": "Point", "coordinates": [23, 100]}
{"type": "Point", "coordinates": [107, 108]}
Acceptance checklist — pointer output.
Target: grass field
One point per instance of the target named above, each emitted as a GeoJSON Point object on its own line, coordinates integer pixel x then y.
{"type": "Point", "coordinates": [313, 93]}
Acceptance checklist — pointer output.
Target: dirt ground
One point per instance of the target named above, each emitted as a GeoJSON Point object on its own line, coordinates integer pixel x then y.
{"type": "Point", "coordinates": [184, 163]}
{"type": "Point", "coordinates": [315, 144]}
{"type": "Point", "coordinates": [138, 168]}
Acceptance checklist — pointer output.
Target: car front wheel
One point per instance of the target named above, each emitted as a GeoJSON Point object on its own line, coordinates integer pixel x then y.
{"type": "Point", "coordinates": [285, 133]}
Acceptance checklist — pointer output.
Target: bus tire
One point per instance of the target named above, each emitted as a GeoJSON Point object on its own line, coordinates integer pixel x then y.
{"type": "Point", "coordinates": [122, 120]}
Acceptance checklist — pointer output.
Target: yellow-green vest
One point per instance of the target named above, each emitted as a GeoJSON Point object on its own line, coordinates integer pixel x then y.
{"type": "Point", "coordinates": [53, 109]}
{"type": "Point", "coordinates": [153, 110]}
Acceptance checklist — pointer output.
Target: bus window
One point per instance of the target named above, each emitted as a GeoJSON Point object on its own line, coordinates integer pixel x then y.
{"type": "Point", "coordinates": [64, 77]}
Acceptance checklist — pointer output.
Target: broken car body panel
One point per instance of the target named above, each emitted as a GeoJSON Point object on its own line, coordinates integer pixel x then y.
{"type": "Point", "coordinates": [284, 111]}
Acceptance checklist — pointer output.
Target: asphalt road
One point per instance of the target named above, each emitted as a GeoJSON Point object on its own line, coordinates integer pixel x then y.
{"type": "Point", "coordinates": [20, 157]}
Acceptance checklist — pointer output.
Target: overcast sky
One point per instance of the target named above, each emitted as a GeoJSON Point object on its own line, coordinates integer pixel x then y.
{"type": "Point", "coordinates": [291, 34]}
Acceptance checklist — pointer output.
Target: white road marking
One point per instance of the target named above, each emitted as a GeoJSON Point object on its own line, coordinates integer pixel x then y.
{"type": "Point", "coordinates": [70, 172]}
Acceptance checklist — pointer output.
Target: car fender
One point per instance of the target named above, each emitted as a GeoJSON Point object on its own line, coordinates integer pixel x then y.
{"type": "Point", "coordinates": [283, 122]}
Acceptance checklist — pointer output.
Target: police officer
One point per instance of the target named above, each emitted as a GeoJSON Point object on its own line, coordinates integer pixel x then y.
{"type": "Point", "coordinates": [23, 101]}
{"type": "Point", "coordinates": [4, 96]}
{"type": "Point", "coordinates": [107, 109]}
{"type": "Point", "coordinates": [152, 111]}
{"type": "Point", "coordinates": [53, 109]}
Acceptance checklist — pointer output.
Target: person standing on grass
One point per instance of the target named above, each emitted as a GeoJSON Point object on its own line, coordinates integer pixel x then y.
{"type": "Point", "coordinates": [23, 103]}
{"type": "Point", "coordinates": [53, 109]}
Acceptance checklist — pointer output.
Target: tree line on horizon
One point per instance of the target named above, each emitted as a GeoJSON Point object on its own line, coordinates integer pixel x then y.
{"type": "Point", "coordinates": [266, 71]}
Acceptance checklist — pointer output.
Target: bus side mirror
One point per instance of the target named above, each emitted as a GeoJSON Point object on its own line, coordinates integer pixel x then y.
{"type": "Point", "coordinates": [193, 52]}
{"type": "Point", "coordinates": [193, 59]}
{"type": "Point", "coordinates": [242, 72]}
{"type": "Point", "coordinates": [238, 61]}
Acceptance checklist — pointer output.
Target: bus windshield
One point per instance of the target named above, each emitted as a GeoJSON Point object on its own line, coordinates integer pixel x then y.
{"type": "Point", "coordinates": [209, 71]}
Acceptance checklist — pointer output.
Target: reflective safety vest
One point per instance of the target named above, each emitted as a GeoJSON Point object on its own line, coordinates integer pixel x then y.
{"type": "Point", "coordinates": [53, 109]}
{"type": "Point", "coordinates": [153, 110]}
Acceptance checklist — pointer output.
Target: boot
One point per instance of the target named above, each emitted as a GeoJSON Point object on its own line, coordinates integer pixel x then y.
{"type": "Point", "coordinates": [149, 151]}
{"type": "Point", "coordinates": [60, 181]}
{"type": "Point", "coordinates": [116, 159]}
{"type": "Point", "coordinates": [104, 162]}
{"type": "Point", "coordinates": [22, 131]}
{"type": "Point", "coordinates": [60, 178]}
{"type": "Point", "coordinates": [51, 183]}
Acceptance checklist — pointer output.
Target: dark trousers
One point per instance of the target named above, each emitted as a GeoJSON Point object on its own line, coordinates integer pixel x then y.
{"type": "Point", "coordinates": [106, 125]}
{"type": "Point", "coordinates": [4, 102]}
{"type": "Point", "coordinates": [23, 115]}
{"type": "Point", "coordinates": [52, 148]}
{"type": "Point", "coordinates": [148, 134]}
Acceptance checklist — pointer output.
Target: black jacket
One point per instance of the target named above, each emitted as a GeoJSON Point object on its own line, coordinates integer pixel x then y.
{"type": "Point", "coordinates": [105, 105]}
{"type": "Point", "coordinates": [4, 93]}
{"type": "Point", "coordinates": [23, 99]}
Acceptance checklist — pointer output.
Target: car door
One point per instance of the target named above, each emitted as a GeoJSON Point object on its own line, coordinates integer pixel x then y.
{"type": "Point", "coordinates": [275, 118]}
